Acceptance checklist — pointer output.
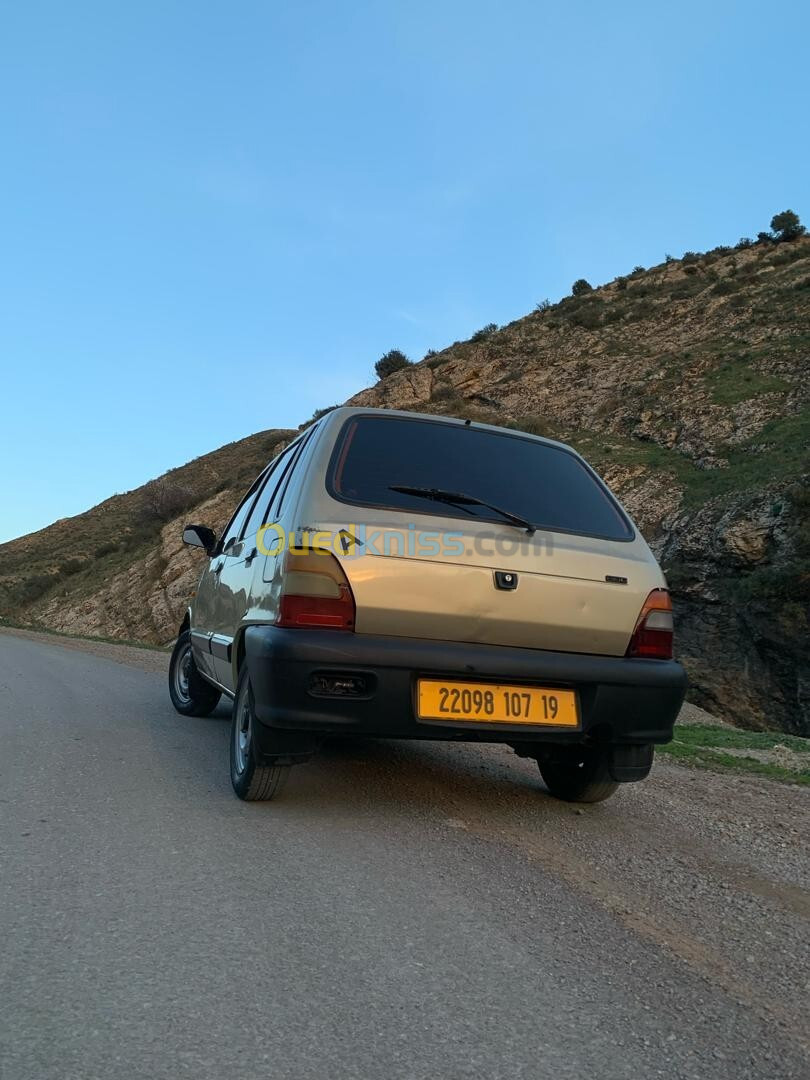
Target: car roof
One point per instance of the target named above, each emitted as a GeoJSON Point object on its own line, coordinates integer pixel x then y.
{"type": "Point", "coordinates": [336, 417]}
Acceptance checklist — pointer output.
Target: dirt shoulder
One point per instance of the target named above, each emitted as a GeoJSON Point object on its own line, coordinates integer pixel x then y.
{"type": "Point", "coordinates": [713, 867]}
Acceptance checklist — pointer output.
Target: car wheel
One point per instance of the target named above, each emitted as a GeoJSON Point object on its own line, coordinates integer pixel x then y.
{"type": "Point", "coordinates": [253, 780]}
{"type": "Point", "coordinates": [191, 695]}
{"type": "Point", "coordinates": [582, 775]}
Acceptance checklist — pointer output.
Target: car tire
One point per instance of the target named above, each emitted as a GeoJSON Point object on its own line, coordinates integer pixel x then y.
{"type": "Point", "coordinates": [253, 780]}
{"type": "Point", "coordinates": [584, 777]}
{"type": "Point", "coordinates": [191, 695]}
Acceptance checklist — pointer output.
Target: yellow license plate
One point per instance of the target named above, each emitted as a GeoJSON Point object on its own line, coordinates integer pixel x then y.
{"type": "Point", "coordinates": [496, 703]}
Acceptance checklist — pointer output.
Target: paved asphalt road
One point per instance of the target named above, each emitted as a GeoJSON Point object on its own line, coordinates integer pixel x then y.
{"type": "Point", "coordinates": [404, 911]}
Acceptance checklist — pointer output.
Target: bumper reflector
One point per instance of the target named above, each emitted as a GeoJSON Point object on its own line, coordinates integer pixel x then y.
{"type": "Point", "coordinates": [338, 685]}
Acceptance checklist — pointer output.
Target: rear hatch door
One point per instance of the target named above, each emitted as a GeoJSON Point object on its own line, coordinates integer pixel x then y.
{"type": "Point", "coordinates": [490, 584]}
{"type": "Point", "coordinates": [424, 568]}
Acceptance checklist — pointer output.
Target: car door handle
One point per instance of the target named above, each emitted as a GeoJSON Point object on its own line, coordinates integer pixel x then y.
{"type": "Point", "coordinates": [251, 556]}
{"type": "Point", "coordinates": [218, 568]}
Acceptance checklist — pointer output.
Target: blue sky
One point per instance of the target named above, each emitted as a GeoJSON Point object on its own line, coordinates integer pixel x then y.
{"type": "Point", "coordinates": [215, 218]}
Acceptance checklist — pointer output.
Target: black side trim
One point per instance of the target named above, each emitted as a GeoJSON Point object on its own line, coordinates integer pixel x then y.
{"type": "Point", "coordinates": [210, 679]}
{"type": "Point", "coordinates": [221, 646]}
{"type": "Point", "coordinates": [201, 641]}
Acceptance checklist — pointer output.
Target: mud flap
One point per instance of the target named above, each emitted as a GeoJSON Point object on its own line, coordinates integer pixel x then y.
{"type": "Point", "coordinates": [629, 763]}
{"type": "Point", "coordinates": [276, 747]}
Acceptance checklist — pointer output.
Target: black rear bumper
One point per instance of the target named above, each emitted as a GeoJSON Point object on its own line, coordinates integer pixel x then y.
{"type": "Point", "coordinates": [621, 701]}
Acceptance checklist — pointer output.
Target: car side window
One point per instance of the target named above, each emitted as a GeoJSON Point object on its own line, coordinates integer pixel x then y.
{"type": "Point", "coordinates": [231, 535]}
{"type": "Point", "coordinates": [273, 494]}
{"type": "Point", "coordinates": [261, 506]}
{"type": "Point", "coordinates": [284, 481]}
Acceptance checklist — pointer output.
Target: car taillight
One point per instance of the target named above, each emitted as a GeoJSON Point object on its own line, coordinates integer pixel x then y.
{"type": "Point", "coordinates": [652, 637]}
{"type": "Point", "coordinates": [315, 592]}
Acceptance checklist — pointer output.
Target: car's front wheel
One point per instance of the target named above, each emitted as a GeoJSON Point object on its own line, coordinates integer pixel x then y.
{"type": "Point", "coordinates": [253, 779]}
{"type": "Point", "coordinates": [191, 695]}
{"type": "Point", "coordinates": [580, 774]}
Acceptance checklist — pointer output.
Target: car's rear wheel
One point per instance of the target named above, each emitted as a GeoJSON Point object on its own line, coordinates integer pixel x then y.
{"type": "Point", "coordinates": [581, 775]}
{"type": "Point", "coordinates": [191, 695]}
{"type": "Point", "coordinates": [253, 779]}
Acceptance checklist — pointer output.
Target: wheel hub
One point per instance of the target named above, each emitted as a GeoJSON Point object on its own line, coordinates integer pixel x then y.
{"type": "Point", "coordinates": [242, 735]}
{"type": "Point", "coordinates": [182, 675]}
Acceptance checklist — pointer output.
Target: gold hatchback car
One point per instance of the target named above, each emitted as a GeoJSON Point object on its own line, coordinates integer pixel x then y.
{"type": "Point", "coordinates": [409, 576]}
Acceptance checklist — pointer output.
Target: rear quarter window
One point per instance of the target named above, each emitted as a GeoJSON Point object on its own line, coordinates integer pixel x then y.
{"type": "Point", "coordinates": [546, 484]}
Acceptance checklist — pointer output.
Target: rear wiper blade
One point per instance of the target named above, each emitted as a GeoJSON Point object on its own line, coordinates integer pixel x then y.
{"type": "Point", "coordinates": [460, 498]}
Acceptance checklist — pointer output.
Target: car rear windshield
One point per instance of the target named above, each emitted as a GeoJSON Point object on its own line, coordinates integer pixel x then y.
{"type": "Point", "coordinates": [545, 484]}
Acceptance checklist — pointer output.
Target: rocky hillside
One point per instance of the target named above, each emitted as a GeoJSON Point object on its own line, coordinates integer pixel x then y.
{"type": "Point", "coordinates": [120, 570]}
{"type": "Point", "coordinates": [685, 384]}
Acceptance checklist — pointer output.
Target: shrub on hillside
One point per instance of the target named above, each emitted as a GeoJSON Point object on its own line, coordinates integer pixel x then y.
{"type": "Point", "coordinates": [641, 310]}
{"type": "Point", "coordinates": [531, 423]}
{"type": "Point", "coordinates": [643, 289]}
{"type": "Point", "coordinates": [744, 242]}
{"type": "Point", "coordinates": [580, 287]}
{"type": "Point", "coordinates": [687, 287]}
{"type": "Point", "coordinates": [316, 416]}
{"type": "Point", "coordinates": [105, 549]}
{"type": "Point", "coordinates": [394, 360]}
{"type": "Point", "coordinates": [443, 392]}
{"type": "Point", "coordinates": [163, 500]}
{"type": "Point", "coordinates": [636, 271]}
{"type": "Point", "coordinates": [70, 567]}
{"type": "Point", "coordinates": [724, 287]}
{"type": "Point", "coordinates": [589, 316]}
{"type": "Point", "coordinates": [30, 589]}
{"type": "Point", "coordinates": [484, 332]}
{"type": "Point", "coordinates": [786, 226]}
{"type": "Point", "coordinates": [786, 256]}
